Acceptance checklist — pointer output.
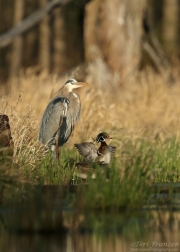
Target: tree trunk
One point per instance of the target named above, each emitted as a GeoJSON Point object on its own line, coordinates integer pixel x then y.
{"type": "Point", "coordinates": [170, 24]}
{"type": "Point", "coordinates": [113, 33]}
{"type": "Point", "coordinates": [16, 58]}
{"type": "Point", "coordinates": [59, 45]}
{"type": "Point", "coordinates": [44, 42]}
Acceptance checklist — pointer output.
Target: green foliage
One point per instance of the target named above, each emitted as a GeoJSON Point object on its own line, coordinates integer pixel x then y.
{"type": "Point", "coordinates": [49, 171]}
{"type": "Point", "coordinates": [167, 165]}
{"type": "Point", "coordinates": [126, 183]}
{"type": "Point", "coordinates": [6, 176]}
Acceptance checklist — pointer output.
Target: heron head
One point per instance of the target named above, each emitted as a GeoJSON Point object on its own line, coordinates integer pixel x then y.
{"type": "Point", "coordinates": [72, 84]}
{"type": "Point", "coordinates": [101, 137]}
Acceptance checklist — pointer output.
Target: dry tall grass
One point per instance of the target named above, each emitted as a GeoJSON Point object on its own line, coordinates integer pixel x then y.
{"type": "Point", "coordinates": [145, 106]}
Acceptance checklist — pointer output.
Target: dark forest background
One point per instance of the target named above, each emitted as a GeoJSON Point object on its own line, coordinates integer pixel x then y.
{"type": "Point", "coordinates": [127, 35]}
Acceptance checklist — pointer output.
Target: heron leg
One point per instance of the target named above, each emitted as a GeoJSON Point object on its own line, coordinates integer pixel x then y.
{"type": "Point", "coordinates": [57, 149]}
{"type": "Point", "coordinates": [58, 154]}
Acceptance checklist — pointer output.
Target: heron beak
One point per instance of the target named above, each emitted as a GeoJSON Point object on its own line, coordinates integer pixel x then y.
{"type": "Point", "coordinates": [81, 84]}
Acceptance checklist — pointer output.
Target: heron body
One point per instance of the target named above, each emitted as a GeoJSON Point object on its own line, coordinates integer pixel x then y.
{"type": "Point", "coordinates": [60, 116]}
{"type": "Point", "coordinates": [91, 154]}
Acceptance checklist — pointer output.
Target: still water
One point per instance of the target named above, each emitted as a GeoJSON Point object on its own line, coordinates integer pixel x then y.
{"type": "Point", "coordinates": [43, 223]}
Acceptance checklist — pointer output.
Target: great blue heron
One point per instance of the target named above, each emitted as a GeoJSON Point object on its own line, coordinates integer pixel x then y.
{"type": "Point", "coordinates": [60, 116]}
{"type": "Point", "coordinates": [91, 154]}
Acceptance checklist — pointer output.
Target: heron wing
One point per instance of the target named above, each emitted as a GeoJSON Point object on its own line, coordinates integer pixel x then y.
{"type": "Point", "coordinates": [53, 118]}
{"type": "Point", "coordinates": [73, 113]}
{"type": "Point", "coordinates": [87, 150]}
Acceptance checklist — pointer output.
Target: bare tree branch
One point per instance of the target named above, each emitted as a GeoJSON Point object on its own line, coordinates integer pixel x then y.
{"type": "Point", "coordinates": [30, 21]}
{"type": "Point", "coordinates": [154, 56]}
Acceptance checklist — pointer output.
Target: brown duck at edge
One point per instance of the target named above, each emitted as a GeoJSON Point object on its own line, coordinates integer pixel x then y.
{"type": "Point", "coordinates": [5, 132]}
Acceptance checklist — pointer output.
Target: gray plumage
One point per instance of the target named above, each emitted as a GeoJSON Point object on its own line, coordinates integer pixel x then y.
{"type": "Point", "coordinates": [88, 150]}
{"type": "Point", "coordinates": [60, 116]}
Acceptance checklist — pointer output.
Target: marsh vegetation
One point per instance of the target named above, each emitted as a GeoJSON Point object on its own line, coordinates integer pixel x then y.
{"type": "Point", "coordinates": [130, 56]}
{"type": "Point", "coordinates": [143, 118]}
{"type": "Point", "coordinates": [39, 195]}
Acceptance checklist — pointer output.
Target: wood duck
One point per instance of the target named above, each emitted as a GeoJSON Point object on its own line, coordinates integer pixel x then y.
{"type": "Point", "coordinates": [91, 154]}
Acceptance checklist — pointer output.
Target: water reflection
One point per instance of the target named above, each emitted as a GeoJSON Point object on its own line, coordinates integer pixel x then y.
{"type": "Point", "coordinates": [159, 227]}
{"type": "Point", "coordinates": [44, 222]}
